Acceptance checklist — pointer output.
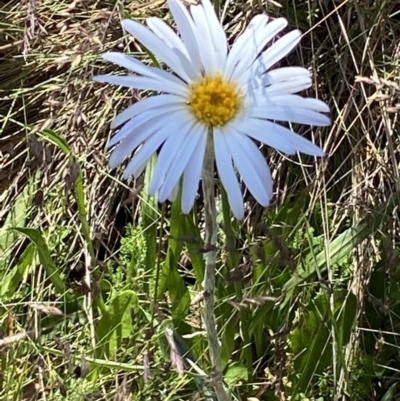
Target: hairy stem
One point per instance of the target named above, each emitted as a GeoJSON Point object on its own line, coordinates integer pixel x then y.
{"type": "Point", "coordinates": [211, 232]}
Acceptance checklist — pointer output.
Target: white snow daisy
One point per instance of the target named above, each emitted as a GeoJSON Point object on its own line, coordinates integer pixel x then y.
{"type": "Point", "coordinates": [229, 94]}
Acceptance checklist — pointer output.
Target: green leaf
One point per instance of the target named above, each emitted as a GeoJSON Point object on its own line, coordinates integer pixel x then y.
{"type": "Point", "coordinates": [228, 340]}
{"type": "Point", "coordinates": [81, 202]}
{"type": "Point", "coordinates": [390, 394]}
{"type": "Point", "coordinates": [44, 256]}
{"type": "Point", "coordinates": [16, 217]}
{"type": "Point", "coordinates": [341, 246]}
{"type": "Point", "coordinates": [311, 341]}
{"type": "Point", "coordinates": [346, 315]}
{"type": "Point", "coordinates": [178, 291]}
{"type": "Point", "coordinates": [261, 320]}
{"type": "Point", "coordinates": [149, 220]}
{"type": "Point", "coordinates": [291, 214]}
{"type": "Point", "coordinates": [56, 140]}
{"type": "Point", "coordinates": [192, 230]}
{"type": "Point", "coordinates": [10, 283]}
{"type": "Point", "coordinates": [79, 190]}
{"type": "Point", "coordinates": [235, 374]}
{"type": "Point", "coordinates": [116, 323]}
{"type": "Point", "coordinates": [80, 197]}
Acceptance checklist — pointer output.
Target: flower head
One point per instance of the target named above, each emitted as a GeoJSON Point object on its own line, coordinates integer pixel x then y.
{"type": "Point", "coordinates": [232, 95]}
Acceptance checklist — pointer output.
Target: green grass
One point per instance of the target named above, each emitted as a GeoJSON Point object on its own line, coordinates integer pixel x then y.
{"type": "Point", "coordinates": [99, 285]}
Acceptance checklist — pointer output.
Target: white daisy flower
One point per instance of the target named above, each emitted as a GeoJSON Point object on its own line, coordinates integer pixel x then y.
{"type": "Point", "coordinates": [230, 94]}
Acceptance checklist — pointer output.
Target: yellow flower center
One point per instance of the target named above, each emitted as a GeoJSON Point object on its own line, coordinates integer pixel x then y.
{"type": "Point", "coordinates": [214, 101]}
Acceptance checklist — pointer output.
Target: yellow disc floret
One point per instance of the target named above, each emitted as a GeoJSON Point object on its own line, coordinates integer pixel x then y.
{"type": "Point", "coordinates": [214, 101]}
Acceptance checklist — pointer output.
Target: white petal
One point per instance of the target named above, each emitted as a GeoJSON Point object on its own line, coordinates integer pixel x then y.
{"type": "Point", "coordinates": [261, 88]}
{"type": "Point", "coordinates": [192, 174]}
{"type": "Point", "coordinates": [186, 149]}
{"type": "Point", "coordinates": [170, 151]}
{"type": "Point", "coordinates": [122, 150]}
{"type": "Point", "coordinates": [146, 151]}
{"type": "Point", "coordinates": [166, 34]}
{"type": "Point", "coordinates": [255, 45]}
{"type": "Point", "coordinates": [206, 45]}
{"type": "Point", "coordinates": [290, 114]}
{"type": "Point", "coordinates": [217, 33]}
{"type": "Point", "coordinates": [128, 145]}
{"type": "Point", "coordinates": [244, 162]}
{"type": "Point", "coordinates": [278, 137]}
{"type": "Point", "coordinates": [227, 174]}
{"type": "Point", "coordinates": [145, 118]}
{"type": "Point", "coordinates": [129, 129]}
{"type": "Point", "coordinates": [259, 130]}
{"type": "Point", "coordinates": [140, 132]}
{"type": "Point", "coordinates": [174, 193]}
{"type": "Point", "coordinates": [131, 63]}
{"type": "Point", "coordinates": [150, 72]}
{"type": "Point", "coordinates": [301, 102]}
{"type": "Point", "coordinates": [278, 50]}
{"type": "Point", "coordinates": [255, 157]}
{"type": "Point", "coordinates": [156, 46]}
{"type": "Point", "coordinates": [260, 165]}
{"type": "Point", "coordinates": [271, 56]}
{"type": "Point", "coordinates": [148, 103]}
{"type": "Point", "coordinates": [145, 83]}
{"type": "Point", "coordinates": [238, 47]}
{"type": "Point", "coordinates": [137, 66]}
{"type": "Point", "coordinates": [196, 37]}
{"type": "Point", "coordinates": [140, 169]}
{"type": "Point", "coordinates": [187, 30]}
{"type": "Point", "coordinates": [288, 87]}
{"type": "Point", "coordinates": [286, 74]}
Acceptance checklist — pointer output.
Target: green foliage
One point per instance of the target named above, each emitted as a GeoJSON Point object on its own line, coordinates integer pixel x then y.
{"type": "Point", "coordinates": [235, 374]}
{"type": "Point", "coordinates": [130, 270]}
{"type": "Point", "coordinates": [149, 218]}
{"type": "Point", "coordinates": [308, 294]}
{"type": "Point", "coordinates": [116, 324]}
{"type": "Point", "coordinates": [44, 256]}
{"type": "Point", "coordinates": [17, 217]}
{"type": "Point", "coordinates": [316, 334]}
{"type": "Point", "coordinates": [177, 289]}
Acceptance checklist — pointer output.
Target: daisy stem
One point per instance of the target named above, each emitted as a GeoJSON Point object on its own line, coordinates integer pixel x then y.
{"type": "Point", "coordinates": [211, 233]}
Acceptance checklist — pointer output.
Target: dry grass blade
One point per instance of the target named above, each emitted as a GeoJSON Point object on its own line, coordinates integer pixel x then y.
{"type": "Point", "coordinates": [15, 338]}
{"type": "Point", "coordinates": [47, 309]}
